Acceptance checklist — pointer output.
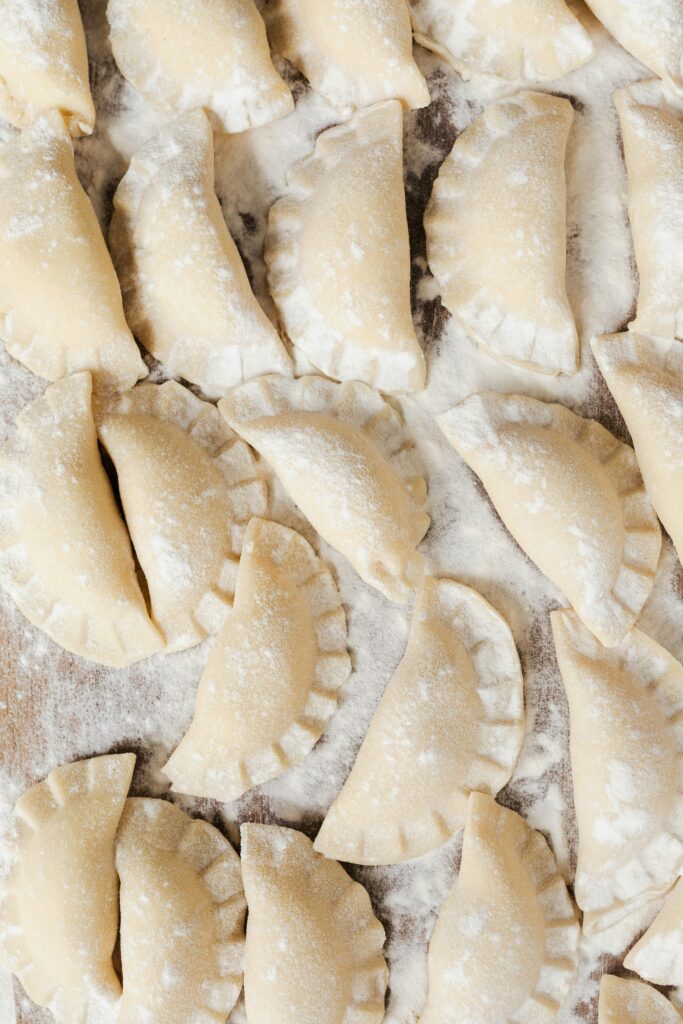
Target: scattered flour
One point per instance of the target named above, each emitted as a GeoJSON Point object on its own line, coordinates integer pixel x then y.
{"type": "Point", "coordinates": [55, 708]}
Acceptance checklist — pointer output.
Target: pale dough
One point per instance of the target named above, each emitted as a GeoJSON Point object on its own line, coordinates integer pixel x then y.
{"type": "Point", "coordinates": [59, 912]}
{"type": "Point", "coordinates": [183, 54]}
{"type": "Point", "coordinates": [505, 943]}
{"type": "Point", "coordinates": [188, 488]}
{"type": "Point", "coordinates": [645, 375]}
{"type": "Point", "coordinates": [341, 454]}
{"type": "Point", "coordinates": [338, 255]}
{"type": "Point", "coordinates": [44, 63]}
{"type": "Point", "coordinates": [185, 290]}
{"type": "Point", "coordinates": [571, 495]}
{"type": "Point", "coordinates": [626, 745]}
{"type": "Point", "coordinates": [271, 682]}
{"type": "Point", "coordinates": [353, 52]}
{"type": "Point", "coordinates": [60, 301]}
{"type": "Point", "coordinates": [518, 40]}
{"type": "Point", "coordinates": [314, 946]}
{"type": "Point", "coordinates": [451, 721]}
{"type": "Point", "coordinates": [65, 555]}
{"type": "Point", "coordinates": [496, 232]}
{"type": "Point", "coordinates": [652, 133]}
{"type": "Point", "coordinates": [182, 917]}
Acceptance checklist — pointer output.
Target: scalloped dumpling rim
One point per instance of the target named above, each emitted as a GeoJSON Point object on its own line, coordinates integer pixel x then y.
{"type": "Point", "coordinates": [285, 549]}
{"type": "Point", "coordinates": [361, 838]}
{"type": "Point", "coordinates": [476, 425]}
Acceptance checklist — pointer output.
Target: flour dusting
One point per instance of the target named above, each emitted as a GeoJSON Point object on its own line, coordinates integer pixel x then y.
{"type": "Point", "coordinates": [56, 708]}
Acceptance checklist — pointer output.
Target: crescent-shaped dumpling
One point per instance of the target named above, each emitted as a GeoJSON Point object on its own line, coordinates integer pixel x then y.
{"type": "Point", "coordinates": [188, 488]}
{"type": "Point", "coordinates": [59, 909]}
{"type": "Point", "coordinates": [627, 1001]}
{"type": "Point", "coordinates": [314, 946]}
{"type": "Point", "coordinates": [60, 302]}
{"type": "Point", "coordinates": [652, 32]}
{"type": "Point", "coordinates": [185, 290]}
{"type": "Point", "coordinates": [519, 40]}
{"type": "Point", "coordinates": [338, 255]}
{"type": "Point", "coordinates": [270, 684]}
{"type": "Point", "coordinates": [626, 744]}
{"type": "Point", "coordinates": [658, 955]}
{"type": "Point", "coordinates": [504, 946]}
{"type": "Point", "coordinates": [571, 495]}
{"type": "Point", "coordinates": [44, 64]}
{"type": "Point", "coordinates": [496, 232]}
{"type": "Point", "coordinates": [645, 375]}
{"type": "Point", "coordinates": [184, 54]}
{"type": "Point", "coordinates": [65, 556]}
{"type": "Point", "coordinates": [182, 917]}
{"type": "Point", "coordinates": [451, 721]}
{"type": "Point", "coordinates": [339, 451]}
{"type": "Point", "coordinates": [353, 52]}
{"type": "Point", "coordinates": [652, 133]}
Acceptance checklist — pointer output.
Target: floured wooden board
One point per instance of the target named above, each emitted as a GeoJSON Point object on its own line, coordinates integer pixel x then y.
{"type": "Point", "coordinates": [56, 708]}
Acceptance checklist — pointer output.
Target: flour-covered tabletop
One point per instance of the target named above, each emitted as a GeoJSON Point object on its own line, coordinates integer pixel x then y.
{"type": "Point", "coordinates": [56, 708]}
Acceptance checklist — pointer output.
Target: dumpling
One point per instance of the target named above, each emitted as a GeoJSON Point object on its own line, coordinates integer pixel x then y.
{"type": "Point", "coordinates": [270, 684]}
{"type": "Point", "coordinates": [652, 132]}
{"type": "Point", "coordinates": [520, 40]}
{"type": "Point", "coordinates": [185, 290]}
{"type": "Point", "coordinates": [504, 946]}
{"type": "Point", "coordinates": [658, 955]}
{"type": "Point", "coordinates": [353, 52]}
{"type": "Point", "coordinates": [188, 488]}
{"type": "Point", "coordinates": [338, 255]}
{"type": "Point", "coordinates": [652, 32]}
{"type": "Point", "coordinates": [44, 64]}
{"type": "Point", "coordinates": [572, 497]}
{"type": "Point", "coordinates": [340, 453]}
{"type": "Point", "coordinates": [60, 302]}
{"type": "Point", "coordinates": [496, 232]}
{"type": "Point", "coordinates": [626, 744]}
{"type": "Point", "coordinates": [314, 946]}
{"type": "Point", "coordinates": [451, 721]}
{"type": "Point", "coordinates": [182, 917]}
{"type": "Point", "coordinates": [645, 375]}
{"type": "Point", "coordinates": [59, 913]}
{"type": "Point", "coordinates": [183, 54]}
{"type": "Point", "coordinates": [65, 556]}
{"type": "Point", "coordinates": [627, 1001]}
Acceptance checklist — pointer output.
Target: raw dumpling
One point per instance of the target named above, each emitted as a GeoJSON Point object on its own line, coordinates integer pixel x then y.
{"type": "Point", "coordinates": [626, 743]}
{"type": "Point", "coordinates": [520, 40]}
{"type": "Point", "coordinates": [59, 913]}
{"type": "Point", "coordinates": [339, 451]}
{"type": "Point", "coordinates": [44, 64]}
{"type": "Point", "coordinates": [353, 52]}
{"type": "Point", "coordinates": [270, 684]}
{"type": "Point", "coordinates": [60, 302]}
{"type": "Point", "coordinates": [645, 375]}
{"type": "Point", "coordinates": [339, 256]}
{"type": "Point", "coordinates": [504, 946]}
{"type": "Point", "coordinates": [572, 497]}
{"type": "Point", "coordinates": [314, 946]}
{"type": "Point", "coordinates": [652, 32]}
{"type": "Point", "coordinates": [65, 556]}
{"type": "Point", "coordinates": [183, 54]}
{"type": "Point", "coordinates": [658, 956]}
{"type": "Point", "coordinates": [451, 721]}
{"type": "Point", "coordinates": [652, 132]}
{"type": "Point", "coordinates": [182, 917]}
{"type": "Point", "coordinates": [188, 488]}
{"type": "Point", "coordinates": [185, 289]}
{"type": "Point", "coordinates": [496, 232]}
{"type": "Point", "coordinates": [627, 1001]}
